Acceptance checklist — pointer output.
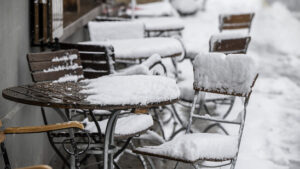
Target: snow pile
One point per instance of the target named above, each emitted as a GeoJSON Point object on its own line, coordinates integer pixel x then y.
{"type": "Point", "coordinates": [138, 123]}
{"type": "Point", "coordinates": [192, 147]}
{"type": "Point", "coordinates": [233, 73]}
{"type": "Point", "coordinates": [162, 23]}
{"type": "Point", "coordinates": [59, 68]}
{"type": "Point", "coordinates": [142, 48]}
{"type": "Point", "coordinates": [131, 90]}
{"type": "Point", "coordinates": [185, 7]}
{"type": "Point", "coordinates": [69, 78]}
{"type": "Point", "coordinates": [101, 31]}
{"type": "Point", "coordinates": [152, 60]}
{"type": "Point", "coordinates": [163, 8]}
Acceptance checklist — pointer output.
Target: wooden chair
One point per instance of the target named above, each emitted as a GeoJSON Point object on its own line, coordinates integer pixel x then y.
{"type": "Point", "coordinates": [229, 43]}
{"type": "Point", "coordinates": [96, 60]}
{"type": "Point", "coordinates": [64, 66]}
{"type": "Point", "coordinates": [235, 21]}
{"type": "Point", "coordinates": [194, 148]}
{"type": "Point", "coordinates": [32, 129]}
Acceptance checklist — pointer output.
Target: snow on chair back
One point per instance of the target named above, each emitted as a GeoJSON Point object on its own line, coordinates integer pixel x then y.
{"type": "Point", "coordinates": [101, 31]}
{"type": "Point", "coordinates": [232, 74]}
{"type": "Point", "coordinates": [96, 60]}
{"type": "Point", "coordinates": [235, 21]}
{"type": "Point", "coordinates": [58, 66]}
{"type": "Point", "coordinates": [229, 43]}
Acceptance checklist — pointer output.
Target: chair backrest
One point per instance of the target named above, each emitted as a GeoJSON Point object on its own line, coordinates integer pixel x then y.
{"type": "Point", "coordinates": [59, 66]}
{"type": "Point", "coordinates": [101, 31]}
{"type": "Point", "coordinates": [232, 74]}
{"type": "Point", "coordinates": [235, 21]}
{"type": "Point", "coordinates": [96, 60]}
{"type": "Point", "coordinates": [229, 43]}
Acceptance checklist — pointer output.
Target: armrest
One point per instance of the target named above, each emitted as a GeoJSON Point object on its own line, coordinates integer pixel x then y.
{"type": "Point", "coordinates": [2, 136]}
{"type": "Point", "coordinates": [45, 128]}
{"type": "Point", "coordinates": [37, 167]}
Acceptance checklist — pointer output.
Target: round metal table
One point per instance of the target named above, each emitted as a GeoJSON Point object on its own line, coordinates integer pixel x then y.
{"type": "Point", "coordinates": [67, 95]}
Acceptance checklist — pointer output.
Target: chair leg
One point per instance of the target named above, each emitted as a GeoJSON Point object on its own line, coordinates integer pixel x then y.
{"type": "Point", "coordinates": [233, 163]}
{"type": "Point", "coordinates": [176, 165]}
{"type": "Point", "coordinates": [5, 157]}
{"type": "Point", "coordinates": [195, 166]}
{"type": "Point", "coordinates": [160, 124]}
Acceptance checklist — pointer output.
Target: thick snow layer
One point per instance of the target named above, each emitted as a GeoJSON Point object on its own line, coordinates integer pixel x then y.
{"type": "Point", "coordinates": [186, 6]}
{"type": "Point", "coordinates": [232, 73]}
{"type": "Point", "coordinates": [126, 125]}
{"type": "Point", "coordinates": [152, 9]}
{"type": "Point", "coordinates": [162, 23]}
{"type": "Point", "coordinates": [192, 147]}
{"type": "Point", "coordinates": [142, 48]}
{"type": "Point", "coordinates": [102, 31]}
{"type": "Point", "coordinates": [187, 91]}
{"type": "Point", "coordinates": [131, 90]}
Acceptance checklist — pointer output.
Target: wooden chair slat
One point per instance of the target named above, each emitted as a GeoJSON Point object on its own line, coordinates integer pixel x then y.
{"type": "Point", "coordinates": [96, 66]}
{"type": "Point", "coordinates": [48, 56]}
{"type": "Point", "coordinates": [40, 66]}
{"type": "Point", "coordinates": [241, 18]}
{"type": "Point", "coordinates": [81, 47]}
{"type": "Point", "coordinates": [93, 56]}
{"type": "Point", "coordinates": [51, 76]}
{"type": "Point", "coordinates": [231, 46]}
{"type": "Point", "coordinates": [236, 21]}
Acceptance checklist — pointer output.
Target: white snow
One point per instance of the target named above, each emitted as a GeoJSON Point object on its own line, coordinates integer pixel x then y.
{"type": "Point", "coordinates": [153, 9]}
{"type": "Point", "coordinates": [68, 78]}
{"type": "Point", "coordinates": [162, 23]}
{"type": "Point", "coordinates": [131, 90]}
{"type": "Point", "coordinates": [59, 68]}
{"type": "Point", "coordinates": [126, 125]}
{"type": "Point", "coordinates": [65, 58]}
{"type": "Point", "coordinates": [142, 48]}
{"type": "Point", "coordinates": [102, 31]}
{"type": "Point", "coordinates": [192, 147]}
{"type": "Point", "coordinates": [186, 6]}
{"type": "Point", "coordinates": [232, 73]}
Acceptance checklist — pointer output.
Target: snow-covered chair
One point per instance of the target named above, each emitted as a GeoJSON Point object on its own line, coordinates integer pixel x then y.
{"type": "Point", "coordinates": [235, 21]}
{"type": "Point", "coordinates": [217, 73]}
{"type": "Point", "coordinates": [64, 66]}
{"type": "Point", "coordinates": [229, 43]}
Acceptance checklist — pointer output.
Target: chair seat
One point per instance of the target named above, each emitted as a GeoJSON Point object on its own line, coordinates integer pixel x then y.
{"type": "Point", "coordinates": [190, 148]}
{"type": "Point", "coordinates": [187, 92]}
{"type": "Point", "coordinates": [127, 126]}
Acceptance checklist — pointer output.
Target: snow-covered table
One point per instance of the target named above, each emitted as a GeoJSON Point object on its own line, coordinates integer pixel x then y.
{"type": "Point", "coordinates": [110, 93]}
{"type": "Point", "coordinates": [137, 49]}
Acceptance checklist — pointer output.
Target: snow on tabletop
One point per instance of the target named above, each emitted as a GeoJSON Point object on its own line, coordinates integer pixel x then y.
{"type": "Point", "coordinates": [126, 125]}
{"type": "Point", "coordinates": [152, 9]}
{"type": "Point", "coordinates": [131, 90]}
{"type": "Point", "coordinates": [226, 35]}
{"type": "Point", "coordinates": [101, 31]}
{"type": "Point", "coordinates": [162, 23]}
{"type": "Point", "coordinates": [187, 91]}
{"type": "Point", "coordinates": [69, 78]}
{"type": "Point", "coordinates": [233, 73]}
{"type": "Point", "coordinates": [142, 48]}
{"type": "Point", "coordinates": [192, 147]}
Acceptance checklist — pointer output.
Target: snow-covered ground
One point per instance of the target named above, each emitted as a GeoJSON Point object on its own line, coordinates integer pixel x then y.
{"type": "Point", "coordinates": [271, 136]}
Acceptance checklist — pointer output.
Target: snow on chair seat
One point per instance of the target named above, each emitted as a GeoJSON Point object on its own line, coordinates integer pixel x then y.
{"type": "Point", "coordinates": [131, 90]}
{"type": "Point", "coordinates": [102, 31]}
{"type": "Point", "coordinates": [133, 49]}
{"type": "Point", "coordinates": [194, 147]}
{"type": "Point", "coordinates": [127, 126]}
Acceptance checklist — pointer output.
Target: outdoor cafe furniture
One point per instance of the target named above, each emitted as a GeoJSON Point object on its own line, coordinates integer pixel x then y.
{"type": "Point", "coordinates": [235, 21]}
{"type": "Point", "coordinates": [219, 74]}
{"type": "Point", "coordinates": [154, 27]}
{"type": "Point", "coordinates": [28, 130]}
{"type": "Point", "coordinates": [227, 43]}
{"type": "Point", "coordinates": [58, 87]}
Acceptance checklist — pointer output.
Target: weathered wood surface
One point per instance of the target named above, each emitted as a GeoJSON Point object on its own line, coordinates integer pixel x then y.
{"type": "Point", "coordinates": [235, 21]}
{"type": "Point", "coordinates": [2, 136]}
{"type": "Point", "coordinates": [44, 128]}
{"type": "Point", "coordinates": [231, 46]}
{"type": "Point", "coordinates": [63, 95]}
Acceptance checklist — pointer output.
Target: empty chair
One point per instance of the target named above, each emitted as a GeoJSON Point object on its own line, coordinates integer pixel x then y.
{"type": "Point", "coordinates": [217, 73]}
{"type": "Point", "coordinates": [235, 21]}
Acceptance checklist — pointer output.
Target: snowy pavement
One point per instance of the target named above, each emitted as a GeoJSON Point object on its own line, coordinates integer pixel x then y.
{"type": "Point", "coordinates": [271, 137]}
